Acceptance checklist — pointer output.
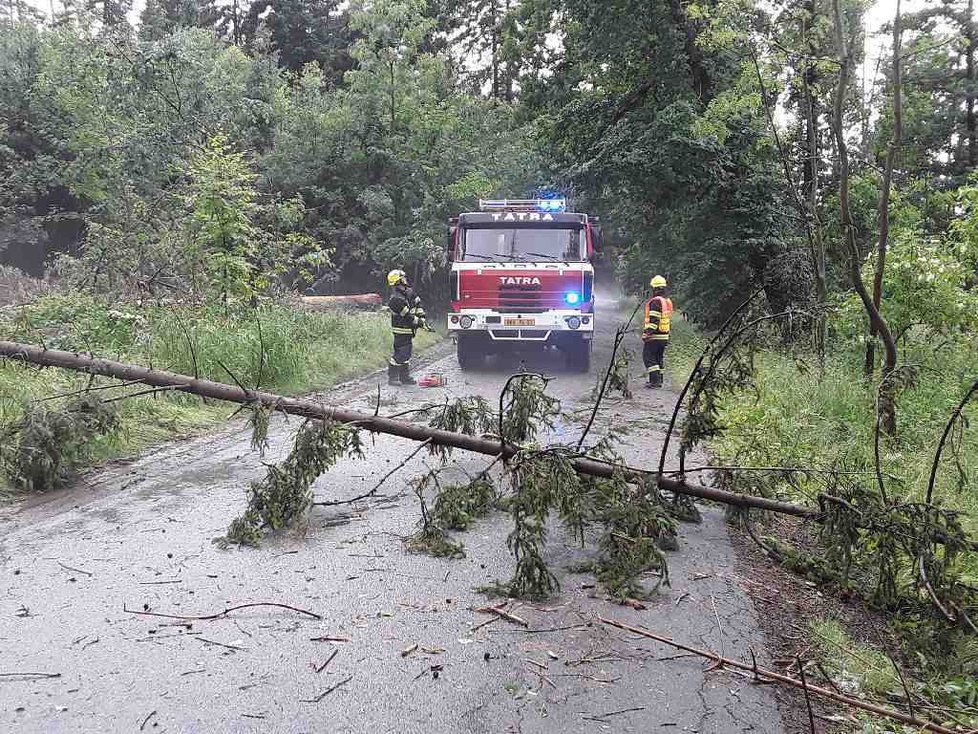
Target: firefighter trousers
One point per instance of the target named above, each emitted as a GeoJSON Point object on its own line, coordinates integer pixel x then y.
{"type": "Point", "coordinates": [653, 354]}
{"type": "Point", "coordinates": [403, 344]}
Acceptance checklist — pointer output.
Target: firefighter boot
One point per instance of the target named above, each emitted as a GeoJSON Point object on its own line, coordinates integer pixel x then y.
{"type": "Point", "coordinates": [406, 378]}
{"type": "Point", "coordinates": [658, 379]}
{"type": "Point", "coordinates": [393, 371]}
{"type": "Point", "coordinates": [651, 382]}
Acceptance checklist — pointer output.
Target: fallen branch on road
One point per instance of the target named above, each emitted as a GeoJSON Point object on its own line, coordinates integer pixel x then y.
{"type": "Point", "coordinates": [329, 690]}
{"type": "Point", "coordinates": [371, 492]}
{"type": "Point", "coordinates": [761, 673]}
{"type": "Point", "coordinates": [28, 676]}
{"type": "Point", "coordinates": [206, 617]}
{"type": "Point", "coordinates": [374, 423]}
{"type": "Point", "coordinates": [502, 614]}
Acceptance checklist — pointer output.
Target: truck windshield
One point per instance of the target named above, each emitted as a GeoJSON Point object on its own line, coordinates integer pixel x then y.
{"type": "Point", "coordinates": [523, 244]}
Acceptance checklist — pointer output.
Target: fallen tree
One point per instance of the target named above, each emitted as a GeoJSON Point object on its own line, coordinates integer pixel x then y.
{"type": "Point", "coordinates": [632, 513]}
{"type": "Point", "coordinates": [307, 408]}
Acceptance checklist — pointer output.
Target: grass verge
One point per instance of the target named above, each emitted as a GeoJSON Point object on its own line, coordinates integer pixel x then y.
{"type": "Point", "coordinates": [795, 412]}
{"type": "Point", "coordinates": [303, 352]}
{"type": "Point", "coordinates": [798, 414]}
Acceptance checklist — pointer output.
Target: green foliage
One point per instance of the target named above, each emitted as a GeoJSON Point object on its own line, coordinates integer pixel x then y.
{"type": "Point", "coordinates": [285, 494]}
{"type": "Point", "coordinates": [618, 377]}
{"type": "Point", "coordinates": [222, 198]}
{"type": "Point", "coordinates": [527, 409]}
{"type": "Point", "coordinates": [635, 521]}
{"type": "Point", "coordinates": [853, 665]}
{"type": "Point", "coordinates": [910, 558]}
{"type": "Point", "coordinates": [302, 352]}
{"type": "Point", "coordinates": [259, 416]}
{"type": "Point", "coordinates": [897, 550]}
{"type": "Point", "coordinates": [928, 286]}
{"type": "Point", "coordinates": [322, 143]}
{"type": "Point", "coordinates": [430, 536]}
{"type": "Point", "coordinates": [536, 484]}
{"type": "Point", "coordinates": [663, 132]}
{"type": "Point", "coordinates": [541, 481]}
{"type": "Point", "coordinates": [45, 445]}
{"type": "Point", "coordinates": [471, 415]}
{"type": "Point", "coordinates": [458, 505]}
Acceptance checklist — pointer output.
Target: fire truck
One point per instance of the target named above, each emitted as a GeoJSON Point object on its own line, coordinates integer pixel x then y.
{"type": "Point", "coordinates": [522, 278]}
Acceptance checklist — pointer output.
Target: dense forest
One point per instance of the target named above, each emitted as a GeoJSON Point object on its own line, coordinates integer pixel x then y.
{"type": "Point", "coordinates": [340, 137]}
{"type": "Point", "coordinates": [219, 156]}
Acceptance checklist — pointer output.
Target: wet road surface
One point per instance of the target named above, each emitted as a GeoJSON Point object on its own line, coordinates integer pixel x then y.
{"type": "Point", "coordinates": [412, 654]}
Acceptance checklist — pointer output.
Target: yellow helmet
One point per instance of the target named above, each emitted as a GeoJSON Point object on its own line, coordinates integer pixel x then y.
{"type": "Point", "coordinates": [658, 282]}
{"type": "Point", "coordinates": [395, 276]}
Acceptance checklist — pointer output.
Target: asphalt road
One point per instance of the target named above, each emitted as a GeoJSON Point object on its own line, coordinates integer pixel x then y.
{"type": "Point", "coordinates": [138, 536]}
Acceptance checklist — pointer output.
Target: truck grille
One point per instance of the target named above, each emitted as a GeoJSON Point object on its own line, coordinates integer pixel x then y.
{"type": "Point", "coordinates": [521, 300]}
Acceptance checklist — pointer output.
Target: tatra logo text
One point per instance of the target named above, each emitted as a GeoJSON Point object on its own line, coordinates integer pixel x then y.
{"type": "Point", "coordinates": [522, 217]}
{"type": "Point", "coordinates": [521, 280]}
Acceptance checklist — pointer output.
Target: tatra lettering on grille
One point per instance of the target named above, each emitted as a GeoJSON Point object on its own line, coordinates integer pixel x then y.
{"type": "Point", "coordinates": [518, 280]}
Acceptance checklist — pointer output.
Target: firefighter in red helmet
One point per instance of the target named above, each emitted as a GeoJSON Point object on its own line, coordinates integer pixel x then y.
{"type": "Point", "coordinates": [658, 324]}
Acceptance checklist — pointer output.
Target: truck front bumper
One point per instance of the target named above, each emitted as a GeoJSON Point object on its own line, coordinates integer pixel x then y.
{"type": "Point", "coordinates": [541, 327]}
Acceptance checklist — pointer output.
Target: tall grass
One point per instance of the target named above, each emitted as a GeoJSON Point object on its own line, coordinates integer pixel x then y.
{"type": "Point", "coordinates": [798, 414]}
{"type": "Point", "coordinates": [303, 352]}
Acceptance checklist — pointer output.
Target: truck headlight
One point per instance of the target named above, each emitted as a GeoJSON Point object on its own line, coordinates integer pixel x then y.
{"type": "Point", "coordinates": [574, 322]}
{"type": "Point", "coordinates": [466, 322]}
{"type": "Point", "coordinates": [572, 298]}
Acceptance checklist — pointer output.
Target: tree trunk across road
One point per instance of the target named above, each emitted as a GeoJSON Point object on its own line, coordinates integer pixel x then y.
{"type": "Point", "coordinates": [366, 421]}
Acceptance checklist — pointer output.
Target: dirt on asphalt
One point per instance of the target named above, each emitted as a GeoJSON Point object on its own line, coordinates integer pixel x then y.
{"type": "Point", "coordinates": [409, 652]}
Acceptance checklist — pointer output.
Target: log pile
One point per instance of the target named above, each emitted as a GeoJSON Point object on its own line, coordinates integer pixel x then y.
{"type": "Point", "coordinates": [360, 301]}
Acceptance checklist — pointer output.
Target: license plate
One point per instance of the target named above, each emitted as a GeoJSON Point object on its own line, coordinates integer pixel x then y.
{"type": "Point", "coordinates": [519, 322]}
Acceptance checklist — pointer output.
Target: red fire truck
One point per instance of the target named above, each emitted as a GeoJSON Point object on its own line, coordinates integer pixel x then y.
{"type": "Point", "coordinates": [522, 278]}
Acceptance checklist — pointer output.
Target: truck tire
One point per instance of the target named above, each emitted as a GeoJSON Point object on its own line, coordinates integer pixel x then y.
{"type": "Point", "coordinates": [469, 353]}
{"type": "Point", "coordinates": [579, 357]}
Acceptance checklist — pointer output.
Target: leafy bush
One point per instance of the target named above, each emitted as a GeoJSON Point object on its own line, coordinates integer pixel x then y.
{"type": "Point", "coordinates": [45, 445]}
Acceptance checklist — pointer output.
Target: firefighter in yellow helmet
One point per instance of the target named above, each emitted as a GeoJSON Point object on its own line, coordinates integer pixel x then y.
{"type": "Point", "coordinates": [407, 316]}
{"type": "Point", "coordinates": [658, 323]}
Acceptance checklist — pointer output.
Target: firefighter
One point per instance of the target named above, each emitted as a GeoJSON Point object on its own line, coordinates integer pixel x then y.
{"type": "Point", "coordinates": [658, 322]}
{"type": "Point", "coordinates": [407, 316]}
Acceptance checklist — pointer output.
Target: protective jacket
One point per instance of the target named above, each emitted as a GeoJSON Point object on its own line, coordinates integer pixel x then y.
{"type": "Point", "coordinates": [407, 314]}
{"type": "Point", "coordinates": [658, 319]}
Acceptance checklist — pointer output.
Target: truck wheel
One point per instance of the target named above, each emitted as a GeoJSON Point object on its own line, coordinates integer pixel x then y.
{"type": "Point", "coordinates": [469, 354]}
{"type": "Point", "coordinates": [579, 357]}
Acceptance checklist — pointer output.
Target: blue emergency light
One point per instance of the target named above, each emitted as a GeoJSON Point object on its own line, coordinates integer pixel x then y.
{"type": "Point", "coordinates": [551, 205]}
{"type": "Point", "coordinates": [524, 205]}
{"type": "Point", "coordinates": [572, 297]}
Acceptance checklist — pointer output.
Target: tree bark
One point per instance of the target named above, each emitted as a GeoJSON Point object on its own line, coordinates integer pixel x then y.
{"type": "Point", "coordinates": [969, 30]}
{"type": "Point", "coordinates": [694, 56]}
{"type": "Point", "coordinates": [883, 211]}
{"type": "Point", "coordinates": [811, 178]}
{"type": "Point", "coordinates": [876, 320]}
{"type": "Point", "coordinates": [368, 422]}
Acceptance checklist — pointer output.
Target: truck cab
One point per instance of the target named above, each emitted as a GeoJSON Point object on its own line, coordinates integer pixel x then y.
{"type": "Point", "coordinates": [522, 277]}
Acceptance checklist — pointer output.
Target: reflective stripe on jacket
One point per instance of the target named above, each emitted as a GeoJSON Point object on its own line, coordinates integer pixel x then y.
{"type": "Point", "coordinates": [406, 310]}
{"type": "Point", "coordinates": [658, 317]}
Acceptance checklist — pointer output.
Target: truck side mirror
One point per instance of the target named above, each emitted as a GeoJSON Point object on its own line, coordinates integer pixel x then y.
{"type": "Point", "coordinates": [450, 240]}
